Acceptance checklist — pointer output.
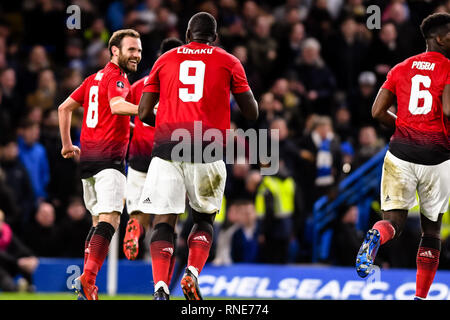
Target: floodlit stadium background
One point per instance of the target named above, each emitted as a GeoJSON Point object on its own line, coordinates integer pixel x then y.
{"type": "Point", "coordinates": [314, 66]}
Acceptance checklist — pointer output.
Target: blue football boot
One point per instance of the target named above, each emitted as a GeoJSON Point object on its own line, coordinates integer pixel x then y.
{"type": "Point", "coordinates": [367, 252]}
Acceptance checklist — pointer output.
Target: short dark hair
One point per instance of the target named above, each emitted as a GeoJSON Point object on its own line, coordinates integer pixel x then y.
{"type": "Point", "coordinates": [116, 38]}
{"type": "Point", "coordinates": [434, 25]}
{"type": "Point", "coordinates": [168, 44]}
{"type": "Point", "coordinates": [203, 25]}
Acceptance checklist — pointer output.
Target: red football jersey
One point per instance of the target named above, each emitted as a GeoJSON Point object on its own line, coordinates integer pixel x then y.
{"type": "Point", "coordinates": [141, 144]}
{"type": "Point", "coordinates": [421, 134]}
{"type": "Point", "coordinates": [194, 83]}
{"type": "Point", "coordinates": [104, 136]}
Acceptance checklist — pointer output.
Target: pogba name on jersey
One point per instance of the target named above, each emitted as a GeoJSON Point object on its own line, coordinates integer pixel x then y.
{"type": "Point", "coordinates": [423, 65]}
{"type": "Point", "coordinates": [184, 50]}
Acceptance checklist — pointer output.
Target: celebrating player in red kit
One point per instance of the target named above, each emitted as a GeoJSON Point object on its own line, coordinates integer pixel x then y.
{"type": "Point", "coordinates": [419, 151]}
{"type": "Point", "coordinates": [139, 156]}
{"type": "Point", "coordinates": [193, 84]}
{"type": "Point", "coordinates": [104, 140]}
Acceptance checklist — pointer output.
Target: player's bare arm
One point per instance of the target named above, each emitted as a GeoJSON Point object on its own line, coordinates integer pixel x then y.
{"type": "Point", "coordinates": [247, 104]}
{"type": "Point", "coordinates": [119, 106]}
{"type": "Point", "coordinates": [65, 116]}
{"type": "Point", "coordinates": [446, 100]}
{"type": "Point", "coordinates": [383, 102]}
{"type": "Point", "coordinates": [146, 107]}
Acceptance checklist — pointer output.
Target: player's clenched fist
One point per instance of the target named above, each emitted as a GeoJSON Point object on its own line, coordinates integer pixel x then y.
{"type": "Point", "coordinates": [70, 151]}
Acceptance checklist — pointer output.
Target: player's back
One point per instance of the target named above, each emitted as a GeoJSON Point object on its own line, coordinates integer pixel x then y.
{"type": "Point", "coordinates": [194, 83]}
{"type": "Point", "coordinates": [141, 144]}
{"type": "Point", "coordinates": [104, 136]}
{"type": "Point", "coordinates": [421, 128]}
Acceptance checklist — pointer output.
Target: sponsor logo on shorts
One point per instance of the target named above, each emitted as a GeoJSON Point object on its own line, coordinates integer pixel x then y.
{"type": "Point", "coordinates": [147, 200]}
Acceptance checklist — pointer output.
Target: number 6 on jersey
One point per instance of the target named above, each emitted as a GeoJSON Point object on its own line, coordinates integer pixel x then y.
{"type": "Point", "coordinates": [197, 80]}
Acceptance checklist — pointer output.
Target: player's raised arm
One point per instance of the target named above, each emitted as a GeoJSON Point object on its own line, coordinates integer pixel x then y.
{"type": "Point", "coordinates": [247, 104]}
{"type": "Point", "coordinates": [65, 117]}
{"type": "Point", "coordinates": [446, 100]}
{"type": "Point", "coordinates": [383, 102]}
{"type": "Point", "coordinates": [146, 107]}
{"type": "Point", "coordinates": [120, 106]}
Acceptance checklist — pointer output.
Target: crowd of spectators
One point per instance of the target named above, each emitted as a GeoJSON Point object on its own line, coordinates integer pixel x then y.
{"type": "Point", "coordinates": [313, 66]}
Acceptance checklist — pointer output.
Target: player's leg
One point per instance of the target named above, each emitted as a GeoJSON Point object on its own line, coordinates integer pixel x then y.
{"type": "Point", "coordinates": [398, 187]}
{"type": "Point", "coordinates": [199, 244]}
{"type": "Point", "coordinates": [164, 197]}
{"type": "Point", "coordinates": [90, 200]}
{"type": "Point", "coordinates": [205, 185]}
{"type": "Point", "coordinates": [110, 191]}
{"type": "Point", "coordinates": [427, 255]}
{"type": "Point", "coordinates": [162, 247]}
{"type": "Point", "coordinates": [88, 239]}
{"type": "Point", "coordinates": [434, 192]}
{"type": "Point", "coordinates": [138, 222]}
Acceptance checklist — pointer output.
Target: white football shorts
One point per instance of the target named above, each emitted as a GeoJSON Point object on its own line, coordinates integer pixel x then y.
{"type": "Point", "coordinates": [401, 179]}
{"type": "Point", "coordinates": [135, 185]}
{"type": "Point", "coordinates": [104, 192]}
{"type": "Point", "coordinates": [168, 182]}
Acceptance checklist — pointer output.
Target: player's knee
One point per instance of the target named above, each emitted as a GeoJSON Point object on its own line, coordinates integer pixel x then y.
{"type": "Point", "coordinates": [203, 222]}
{"type": "Point", "coordinates": [113, 218]}
{"type": "Point", "coordinates": [162, 232]}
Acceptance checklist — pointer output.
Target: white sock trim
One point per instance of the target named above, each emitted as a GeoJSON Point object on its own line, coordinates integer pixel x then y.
{"type": "Point", "coordinates": [193, 270]}
{"type": "Point", "coordinates": [162, 284]}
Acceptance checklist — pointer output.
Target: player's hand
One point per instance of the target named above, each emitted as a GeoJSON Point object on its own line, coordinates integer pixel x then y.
{"type": "Point", "coordinates": [70, 151]}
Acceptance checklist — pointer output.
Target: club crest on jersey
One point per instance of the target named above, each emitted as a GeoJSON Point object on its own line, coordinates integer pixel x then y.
{"type": "Point", "coordinates": [120, 84]}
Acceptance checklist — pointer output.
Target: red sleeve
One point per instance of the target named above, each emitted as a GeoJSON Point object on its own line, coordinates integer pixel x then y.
{"type": "Point", "coordinates": [118, 87]}
{"type": "Point", "coordinates": [390, 82]}
{"type": "Point", "coordinates": [151, 84]}
{"type": "Point", "coordinates": [78, 93]}
{"type": "Point", "coordinates": [239, 82]}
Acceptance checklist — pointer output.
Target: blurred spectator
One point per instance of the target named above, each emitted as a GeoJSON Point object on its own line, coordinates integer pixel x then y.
{"type": "Point", "coordinates": [291, 47]}
{"type": "Point", "coordinates": [346, 238]}
{"type": "Point", "coordinates": [410, 41]}
{"type": "Point", "coordinates": [361, 100]}
{"type": "Point", "coordinates": [321, 154]}
{"type": "Point", "coordinates": [234, 34]}
{"type": "Point", "coordinates": [11, 101]}
{"type": "Point", "coordinates": [71, 79]}
{"type": "Point", "coordinates": [19, 182]}
{"type": "Point", "coordinates": [368, 145]}
{"type": "Point", "coordinates": [42, 234]}
{"type": "Point", "coordinates": [288, 150]}
{"type": "Point", "coordinates": [319, 22]}
{"type": "Point", "coordinates": [15, 259]}
{"type": "Point", "coordinates": [45, 94]}
{"type": "Point", "coordinates": [245, 245]}
{"type": "Point", "coordinates": [345, 53]}
{"type": "Point", "coordinates": [97, 37]}
{"type": "Point", "coordinates": [344, 127]}
{"type": "Point", "coordinates": [73, 228]}
{"type": "Point", "coordinates": [28, 76]}
{"type": "Point", "coordinates": [270, 108]}
{"type": "Point", "coordinates": [262, 48]}
{"type": "Point", "coordinates": [275, 205]}
{"type": "Point", "coordinates": [74, 54]}
{"type": "Point", "coordinates": [384, 51]}
{"type": "Point", "coordinates": [316, 80]}
{"type": "Point", "coordinates": [33, 156]}
{"type": "Point", "coordinates": [235, 184]}
{"type": "Point", "coordinates": [64, 173]}
{"type": "Point", "coordinates": [7, 204]}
